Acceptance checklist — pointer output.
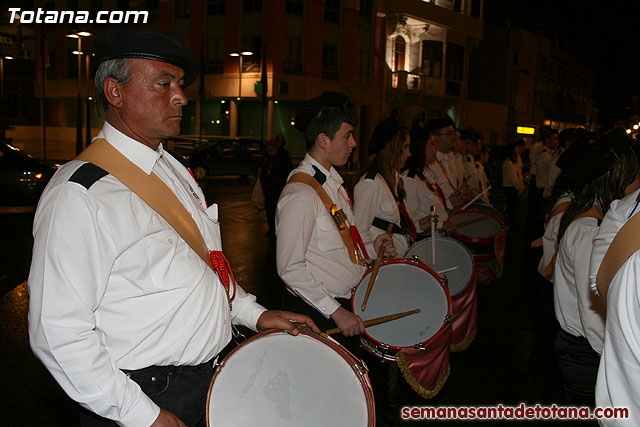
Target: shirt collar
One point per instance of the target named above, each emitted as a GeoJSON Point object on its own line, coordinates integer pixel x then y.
{"type": "Point", "coordinates": [331, 173]}
{"type": "Point", "coordinates": [138, 153]}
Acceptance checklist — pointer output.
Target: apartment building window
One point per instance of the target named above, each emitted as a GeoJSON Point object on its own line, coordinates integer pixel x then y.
{"type": "Point", "coordinates": [332, 11]}
{"type": "Point", "coordinates": [249, 6]}
{"type": "Point", "coordinates": [432, 58]}
{"type": "Point", "coordinates": [364, 64]}
{"type": "Point", "coordinates": [455, 61]}
{"type": "Point", "coordinates": [398, 54]}
{"type": "Point", "coordinates": [182, 8]}
{"type": "Point", "coordinates": [215, 7]}
{"type": "Point", "coordinates": [215, 55]}
{"type": "Point", "coordinates": [251, 64]}
{"type": "Point", "coordinates": [366, 10]}
{"type": "Point", "coordinates": [293, 55]}
{"type": "Point", "coordinates": [330, 61]}
{"type": "Point", "coordinates": [294, 7]}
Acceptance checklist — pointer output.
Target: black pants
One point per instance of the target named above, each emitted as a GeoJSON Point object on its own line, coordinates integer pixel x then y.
{"type": "Point", "coordinates": [578, 364]}
{"type": "Point", "coordinates": [178, 389]}
{"type": "Point", "coordinates": [511, 203]}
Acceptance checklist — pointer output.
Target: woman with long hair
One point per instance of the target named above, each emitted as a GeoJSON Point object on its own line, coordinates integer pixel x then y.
{"type": "Point", "coordinates": [609, 171]}
{"type": "Point", "coordinates": [379, 195]}
{"type": "Point", "coordinates": [421, 189]}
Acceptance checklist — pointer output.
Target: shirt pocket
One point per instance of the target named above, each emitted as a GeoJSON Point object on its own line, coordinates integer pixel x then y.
{"type": "Point", "coordinates": [329, 238]}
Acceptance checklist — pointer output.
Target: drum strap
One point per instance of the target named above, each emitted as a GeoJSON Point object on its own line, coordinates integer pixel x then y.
{"type": "Point", "coordinates": [446, 175]}
{"type": "Point", "coordinates": [350, 235]}
{"type": "Point", "coordinates": [557, 209]}
{"type": "Point", "coordinates": [160, 198]}
{"type": "Point", "coordinates": [594, 212]}
{"type": "Point", "coordinates": [625, 244]}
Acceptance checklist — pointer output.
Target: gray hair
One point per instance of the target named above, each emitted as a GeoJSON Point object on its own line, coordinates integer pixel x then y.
{"type": "Point", "coordinates": [118, 69]}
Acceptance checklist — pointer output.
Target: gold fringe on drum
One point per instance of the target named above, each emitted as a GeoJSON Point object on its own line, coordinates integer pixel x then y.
{"type": "Point", "coordinates": [461, 346]}
{"type": "Point", "coordinates": [415, 384]}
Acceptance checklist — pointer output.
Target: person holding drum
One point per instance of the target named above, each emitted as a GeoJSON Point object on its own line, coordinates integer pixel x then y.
{"type": "Point", "coordinates": [379, 195]}
{"type": "Point", "coordinates": [319, 252]}
{"type": "Point", "coordinates": [422, 190]}
{"type": "Point", "coordinates": [128, 308]}
{"type": "Point", "coordinates": [443, 132]}
{"type": "Point", "coordinates": [609, 171]}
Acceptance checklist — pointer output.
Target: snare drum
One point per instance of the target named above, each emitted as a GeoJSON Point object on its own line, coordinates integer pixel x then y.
{"type": "Point", "coordinates": [456, 263]}
{"type": "Point", "coordinates": [418, 343]}
{"type": "Point", "coordinates": [275, 379]}
{"type": "Point", "coordinates": [402, 285]}
{"type": "Point", "coordinates": [478, 228]}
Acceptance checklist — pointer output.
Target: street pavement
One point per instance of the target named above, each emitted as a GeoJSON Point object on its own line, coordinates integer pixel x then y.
{"type": "Point", "coordinates": [510, 361]}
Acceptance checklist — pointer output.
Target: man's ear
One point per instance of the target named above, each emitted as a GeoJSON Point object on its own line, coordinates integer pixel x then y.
{"type": "Point", "coordinates": [322, 140]}
{"type": "Point", "coordinates": [111, 89]}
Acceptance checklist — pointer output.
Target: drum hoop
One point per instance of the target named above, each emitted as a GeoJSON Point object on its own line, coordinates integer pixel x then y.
{"type": "Point", "coordinates": [471, 255]}
{"type": "Point", "coordinates": [481, 240]}
{"type": "Point", "coordinates": [351, 360]}
{"type": "Point", "coordinates": [439, 279]}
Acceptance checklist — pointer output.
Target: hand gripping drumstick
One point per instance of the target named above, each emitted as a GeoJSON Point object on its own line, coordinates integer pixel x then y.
{"type": "Point", "coordinates": [473, 200]}
{"type": "Point", "coordinates": [374, 272]}
{"type": "Point", "coordinates": [378, 320]}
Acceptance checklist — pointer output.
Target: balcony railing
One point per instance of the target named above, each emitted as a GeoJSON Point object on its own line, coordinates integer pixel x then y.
{"type": "Point", "coordinates": [404, 80]}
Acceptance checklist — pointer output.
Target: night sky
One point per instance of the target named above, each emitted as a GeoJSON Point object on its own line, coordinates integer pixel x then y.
{"type": "Point", "coordinates": [606, 34]}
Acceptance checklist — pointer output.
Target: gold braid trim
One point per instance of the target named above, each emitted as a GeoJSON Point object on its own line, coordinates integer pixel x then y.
{"type": "Point", "coordinates": [464, 344]}
{"type": "Point", "coordinates": [415, 385]}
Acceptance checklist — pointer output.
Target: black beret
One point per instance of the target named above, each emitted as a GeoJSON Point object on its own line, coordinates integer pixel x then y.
{"type": "Point", "coordinates": [572, 158]}
{"type": "Point", "coordinates": [384, 132]}
{"type": "Point", "coordinates": [125, 42]}
{"type": "Point", "coordinates": [603, 155]}
{"type": "Point", "coordinates": [435, 125]}
{"type": "Point", "coordinates": [311, 108]}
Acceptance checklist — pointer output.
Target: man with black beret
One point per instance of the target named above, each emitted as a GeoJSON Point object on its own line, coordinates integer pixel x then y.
{"type": "Point", "coordinates": [319, 263]}
{"type": "Point", "coordinates": [126, 316]}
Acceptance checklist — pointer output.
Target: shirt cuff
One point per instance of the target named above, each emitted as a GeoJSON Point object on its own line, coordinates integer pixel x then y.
{"type": "Point", "coordinates": [144, 413]}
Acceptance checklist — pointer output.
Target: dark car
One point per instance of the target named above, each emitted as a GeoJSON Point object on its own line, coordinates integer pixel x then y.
{"type": "Point", "coordinates": [226, 157]}
{"type": "Point", "coordinates": [22, 177]}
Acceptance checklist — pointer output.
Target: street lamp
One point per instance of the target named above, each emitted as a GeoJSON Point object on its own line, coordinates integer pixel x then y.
{"type": "Point", "coordinates": [240, 55]}
{"type": "Point", "coordinates": [79, 35]}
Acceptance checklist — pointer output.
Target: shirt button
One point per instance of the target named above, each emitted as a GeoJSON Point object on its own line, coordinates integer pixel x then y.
{"type": "Point", "coordinates": [323, 309]}
{"type": "Point", "coordinates": [170, 241]}
{"type": "Point", "coordinates": [154, 379]}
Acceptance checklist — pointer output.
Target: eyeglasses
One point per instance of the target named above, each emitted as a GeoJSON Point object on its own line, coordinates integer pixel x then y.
{"type": "Point", "coordinates": [445, 134]}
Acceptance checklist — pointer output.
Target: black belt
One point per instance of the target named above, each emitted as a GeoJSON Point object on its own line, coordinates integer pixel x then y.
{"type": "Point", "coordinates": [164, 370]}
{"type": "Point", "coordinates": [383, 224]}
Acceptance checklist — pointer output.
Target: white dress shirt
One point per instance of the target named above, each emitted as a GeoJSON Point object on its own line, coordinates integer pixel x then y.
{"type": "Point", "coordinates": [618, 380]}
{"type": "Point", "coordinates": [419, 201]}
{"type": "Point", "coordinates": [311, 256]}
{"type": "Point", "coordinates": [471, 173]}
{"type": "Point", "coordinates": [373, 198]}
{"type": "Point", "coordinates": [512, 174]}
{"type": "Point", "coordinates": [113, 286]}
{"type": "Point", "coordinates": [550, 236]}
{"type": "Point", "coordinates": [544, 163]}
{"type": "Point", "coordinates": [437, 172]}
{"type": "Point", "coordinates": [483, 180]}
{"type": "Point", "coordinates": [579, 312]}
{"type": "Point", "coordinates": [445, 167]}
{"type": "Point", "coordinates": [534, 151]}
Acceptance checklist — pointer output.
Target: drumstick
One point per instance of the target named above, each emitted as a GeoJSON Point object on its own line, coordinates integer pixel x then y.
{"type": "Point", "coordinates": [374, 271]}
{"type": "Point", "coordinates": [471, 221]}
{"type": "Point", "coordinates": [473, 200]}
{"type": "Point", "coordinates": [446, 270]}
{"type": "Point", "coordinates": [378, 320]}
{"type": "Point", "coordinates": [433, 235]}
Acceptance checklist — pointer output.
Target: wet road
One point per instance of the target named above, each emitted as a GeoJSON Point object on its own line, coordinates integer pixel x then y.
{"type": "Point", "coordinates": [510, 361]}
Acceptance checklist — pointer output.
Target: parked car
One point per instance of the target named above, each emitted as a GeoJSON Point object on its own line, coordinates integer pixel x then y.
{"type": "Point", "coordinates": [22, 177]}
{"type": "Point", "coordinates": [226, 157]}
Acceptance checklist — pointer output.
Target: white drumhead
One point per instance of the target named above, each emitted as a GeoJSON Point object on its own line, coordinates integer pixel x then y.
{"type": "Point", "coordinates": [280, 380]}
{"type": "Point", "coordinates": [401, 287]}
{"type": "Point", "coordinates": [449, 254]}
{"type": "Point", "coordinates": [487, 227]}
